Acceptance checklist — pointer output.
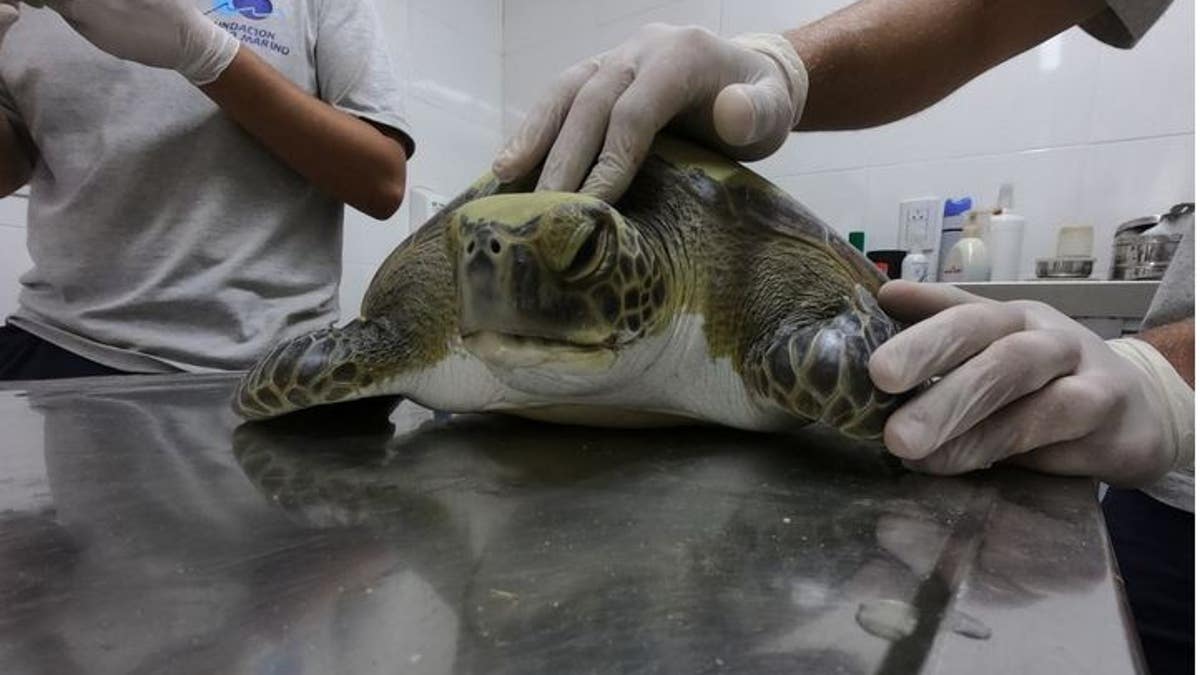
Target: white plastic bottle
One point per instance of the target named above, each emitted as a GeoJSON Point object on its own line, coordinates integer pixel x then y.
{"type": "Point", "coordinates": [915, 266]}
{"type": "Point", "coordinates": [968, 259]}
{"type": "Point", "coordinates": [954, 214]}
{"type": "Point", "coordinates": [1006, 234]}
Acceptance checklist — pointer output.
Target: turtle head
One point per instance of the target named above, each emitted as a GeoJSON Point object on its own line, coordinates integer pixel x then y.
{"type": "Point", "coordinates": [555, 282]}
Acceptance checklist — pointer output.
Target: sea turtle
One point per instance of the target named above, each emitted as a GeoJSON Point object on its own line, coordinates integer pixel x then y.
{"type": "Point", "coordinates": [705, 294]}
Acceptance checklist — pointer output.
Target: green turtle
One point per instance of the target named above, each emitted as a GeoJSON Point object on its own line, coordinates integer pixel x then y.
{"type": "Point", "coordinates": [705, 294]}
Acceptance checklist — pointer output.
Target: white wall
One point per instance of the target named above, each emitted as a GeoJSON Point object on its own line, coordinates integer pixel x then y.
{"type": "Point", "coordinates": [14, 257]}
{"type": "Point", "coordinates": [1088, 134]}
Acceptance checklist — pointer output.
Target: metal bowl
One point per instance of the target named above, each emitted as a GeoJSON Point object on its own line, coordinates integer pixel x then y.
{"type": "Point", "coordinates": [1064, 268]}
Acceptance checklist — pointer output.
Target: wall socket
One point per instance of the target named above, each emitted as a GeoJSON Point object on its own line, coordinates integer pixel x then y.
{"type": "Point", "coordinates": [920, 223]}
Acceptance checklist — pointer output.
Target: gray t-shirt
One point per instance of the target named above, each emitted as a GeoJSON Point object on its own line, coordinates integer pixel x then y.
{"type": "Point", "coordinates": [163, 236]}
{"type": "Point", "coordinates": [1175, 301]}
{"type": "Point", "coordinates": [1125, 21]}
{"type": "Point", "coordinates": [1123, 25]}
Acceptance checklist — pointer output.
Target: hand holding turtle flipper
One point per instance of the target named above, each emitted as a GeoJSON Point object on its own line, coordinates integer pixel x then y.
{"type": "Point", "coordinates": [159, 33]}
{"type": "Point", "coordinates": [1021, 381]}
{"type": "Point", "coordinates": [741, 97]}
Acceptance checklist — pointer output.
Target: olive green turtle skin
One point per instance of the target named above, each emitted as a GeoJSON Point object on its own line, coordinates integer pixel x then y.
{"type": "Point", "coordinates": [705, 294]}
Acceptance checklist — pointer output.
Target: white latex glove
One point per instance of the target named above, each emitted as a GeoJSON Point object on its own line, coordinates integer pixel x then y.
{"type": "Point", "coordinates": [1022, 381]}
{"type": "Point", "coordinates": [10, 11]}
{"type": "Point", "coordinates": [170, 34]}
{"type": "Point", "coordinates": [740, 96]}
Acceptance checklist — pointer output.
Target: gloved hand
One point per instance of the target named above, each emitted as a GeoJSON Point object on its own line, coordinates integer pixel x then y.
{"type": "Point", "coordinates": [10, 11]}
{"type": "Point", "coordinates": [161, 33]}
{"type": "Point", "coordinates": [1022, 381]}
{"type": "Point", "coordinates": [739, 96]}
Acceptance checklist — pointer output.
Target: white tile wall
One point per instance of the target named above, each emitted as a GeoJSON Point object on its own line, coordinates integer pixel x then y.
{"type": "Point", "coordinates": [14, 257]}
{"type": "Point", "coordinates": [1089, 134]}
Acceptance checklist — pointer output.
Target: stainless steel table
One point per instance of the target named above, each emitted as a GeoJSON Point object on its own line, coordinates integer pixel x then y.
{"type": "Point", "coordinates": [143, 531]}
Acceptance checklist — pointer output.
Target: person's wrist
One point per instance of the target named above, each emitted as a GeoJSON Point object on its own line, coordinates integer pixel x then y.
{"type": "Point", "coordinates": [1170, 396]}
{"type": "Point", "coordinates": [208, 51]}
{"type": "Point", "coordinates": [777, 48]}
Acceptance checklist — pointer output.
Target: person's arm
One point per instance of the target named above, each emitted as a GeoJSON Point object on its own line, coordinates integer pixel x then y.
{"type": "Point", "coordinates": [1177, 343]}
{"type": "Point", "coordinates": [350, 159]}
{"type": "Point", "coordinates": [878, 61]}
{"type": "Point", "coordinates": [1021, 382]}
{"type": "Point", "coordinates": [873, 62]}
{"type": "Point", "coordinates": [357, 162]}
{"type": "Point", "coordinates": [15, 165]}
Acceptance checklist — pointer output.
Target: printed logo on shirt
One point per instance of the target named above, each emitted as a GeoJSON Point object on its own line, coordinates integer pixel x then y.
{"type": "Point", "coordinates": [229, 12]}
{"type": "Point", "coordinates": [255, 10]}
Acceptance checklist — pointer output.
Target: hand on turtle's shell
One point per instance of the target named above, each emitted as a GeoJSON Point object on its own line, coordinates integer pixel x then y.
{"type": "Point", "coordinates": [1019, 381]}
{"type": "Point", "coordinates": [740, 97]}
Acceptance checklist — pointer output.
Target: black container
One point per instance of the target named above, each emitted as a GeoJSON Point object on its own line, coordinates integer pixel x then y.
{"type": "Point", "coordinates": [888, 261]}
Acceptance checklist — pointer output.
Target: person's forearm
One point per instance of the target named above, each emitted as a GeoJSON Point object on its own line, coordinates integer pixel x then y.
{"type": "Point", "coordinates": [878, 61]}
{"type": "Point", "coordinates": [1177, 343]}
{"type": "Point", "coordinates": [15, 166]}
{"type": "Point", "coordinates": [348, 158]}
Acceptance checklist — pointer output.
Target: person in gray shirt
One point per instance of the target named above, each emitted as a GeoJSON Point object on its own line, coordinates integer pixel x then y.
{"type": "Point", "coordinates": [188, 164]}
{"type": "Point", "coordinates": [1019, 383]}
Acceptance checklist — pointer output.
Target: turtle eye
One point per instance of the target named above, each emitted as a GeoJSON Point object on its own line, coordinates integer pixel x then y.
{"type": "Point", "coordinates": [591, 254]}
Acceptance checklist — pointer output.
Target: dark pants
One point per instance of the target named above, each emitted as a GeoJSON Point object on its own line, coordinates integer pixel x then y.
{"type": "Point", "coordinates": [1153, 543]}
{"type": "Point", "coordinates": [27, 357]}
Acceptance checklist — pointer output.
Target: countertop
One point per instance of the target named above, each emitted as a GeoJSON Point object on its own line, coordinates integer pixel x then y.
{"type": "Point", "coordinates": [142, 530]}
{"type": "Point", "coordinates": [1078, 298]}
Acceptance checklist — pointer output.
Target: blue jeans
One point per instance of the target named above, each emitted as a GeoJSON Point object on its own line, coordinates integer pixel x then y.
{"type": "Point", "coordinates": [1153, 543]}
{"type": "Point", "coordinates": [24, 356]}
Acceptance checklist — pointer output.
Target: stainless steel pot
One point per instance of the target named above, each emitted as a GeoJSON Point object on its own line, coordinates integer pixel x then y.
{"type": "Point", "coordinates": [1144, 247]}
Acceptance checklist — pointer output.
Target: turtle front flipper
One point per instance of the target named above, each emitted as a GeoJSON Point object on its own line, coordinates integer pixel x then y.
{"type": "Point", "coordinates": [326, 366]}
{"type": "Point", "coordinates": [818, 371]}
{"type": "Point", "coordinates": [409, 318]}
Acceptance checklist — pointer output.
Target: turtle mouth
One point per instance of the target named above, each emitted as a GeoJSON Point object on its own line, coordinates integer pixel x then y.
{"type": "Point", "coordinates": [511, 350]}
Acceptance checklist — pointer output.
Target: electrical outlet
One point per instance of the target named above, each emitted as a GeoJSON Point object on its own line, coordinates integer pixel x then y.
{"type": "Point", "coordinates": [920, 223]}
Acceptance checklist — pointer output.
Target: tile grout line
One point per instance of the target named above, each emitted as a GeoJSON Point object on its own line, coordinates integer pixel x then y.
{"type": "Point", "coordinates": [988, 155]}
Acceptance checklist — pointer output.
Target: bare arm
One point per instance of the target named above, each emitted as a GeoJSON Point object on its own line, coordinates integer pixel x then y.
{"type": "Point", "coordinates": [878, 61]}
{"type": "Point", "coordinates": [15, 164]}
{"type": "Point", "coordinates": [873, 62]}
{"type": "Point", "coordinates": [1177, 343]}
{"type": "Point", "coordinates": [357, 162]}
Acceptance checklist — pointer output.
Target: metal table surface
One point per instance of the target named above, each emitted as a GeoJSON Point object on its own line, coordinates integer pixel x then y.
{"type": "Point", "coordinates": [143, 531]}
